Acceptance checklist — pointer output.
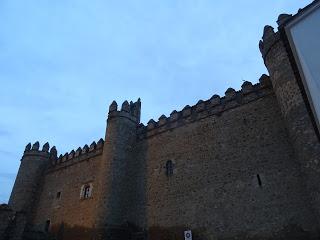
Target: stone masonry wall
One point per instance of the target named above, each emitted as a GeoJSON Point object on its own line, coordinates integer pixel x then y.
{"type": "Point", "coordinates": [70, 215]}
{"type": "Point", "coordinates": [293, 105]}
{"type": "Point", "coordinates": [12, 224]}
{"type": "Point", "coordinates": [234, 172]}
{"type": "Point", "coordinates": [242, 166]}
{"type": "Point", "coordinates": [6, 216]}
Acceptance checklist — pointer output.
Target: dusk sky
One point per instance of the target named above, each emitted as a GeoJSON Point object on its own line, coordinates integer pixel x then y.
{"type": "Point", "coordinates": [63, 62]}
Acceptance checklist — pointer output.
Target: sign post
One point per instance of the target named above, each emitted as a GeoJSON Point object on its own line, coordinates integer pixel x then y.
{"type": "Point", "coordinates": [188, 235]}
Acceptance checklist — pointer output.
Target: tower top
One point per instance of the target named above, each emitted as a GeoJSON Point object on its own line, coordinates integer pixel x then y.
{"type": "Point", "coordinates": [128, 110]}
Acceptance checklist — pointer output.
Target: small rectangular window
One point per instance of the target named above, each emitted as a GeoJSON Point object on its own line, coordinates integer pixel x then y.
{"type": "Point", "coordinates": [58, 196]}
{"type": "Point", "coordinates": [169, 168]}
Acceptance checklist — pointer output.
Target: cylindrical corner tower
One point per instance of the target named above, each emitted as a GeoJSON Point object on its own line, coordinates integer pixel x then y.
{"type": "Point", "coordinates": [117, 153]}
{"type": "Point", "coordinates": [294, 111]}
{"type": "Point", "coordinates": [33, 163]}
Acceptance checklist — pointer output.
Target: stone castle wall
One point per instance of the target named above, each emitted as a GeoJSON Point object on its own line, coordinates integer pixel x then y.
{"type": "Point", "coordinates": [69, 212]}
{"type": "Point", "coordinates": [235, 174]}
{"type": "Point", "coordinates": [294, 106]}
{"type": "Point", "coordinates": [234, 170]}
{"type": "Point", "coordinates": [242, 166]}
{"type": "Point", "coordinates": [12, 224]}
{"type": "Point", "coordinates": [6, 218]}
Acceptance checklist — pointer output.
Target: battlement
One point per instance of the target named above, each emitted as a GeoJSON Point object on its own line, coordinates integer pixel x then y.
{"type": "Point", "coordinates": [270, 37]}
{"type": "Point", "coordinates": [78, 155]}
{"type": "Point", "coordinates": [244, 155]}
{"type": "Point", "coordinates": [216, 105]}
{"type": "Point", "coordinates": [35, 150]}
{"type": "Point", "coordinates": [128, 110]}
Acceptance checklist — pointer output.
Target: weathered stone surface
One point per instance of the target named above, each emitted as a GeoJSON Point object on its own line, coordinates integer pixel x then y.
{"type": "Point", "coordinates": [243, 166]}
{"type": "Point", "coordinates": [302, 134]}
{"type": "Point", "coordinates": [214, 187]}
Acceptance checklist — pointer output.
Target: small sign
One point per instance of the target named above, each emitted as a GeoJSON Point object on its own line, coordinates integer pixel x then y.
{"type": "Point", "coordinates": [188, 235]}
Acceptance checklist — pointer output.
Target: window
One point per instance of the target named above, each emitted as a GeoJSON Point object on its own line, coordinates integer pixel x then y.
{"type": "Point", "coordinates": [259, 180]}
{"type": "Point", "coordinates": [86, 191]}
{"type": "Point", "coordinates": [47, 226]}
{"type": "Point", "coordinates": [169, 168]}
{"type": "Point", "coordinates": [58, 196]}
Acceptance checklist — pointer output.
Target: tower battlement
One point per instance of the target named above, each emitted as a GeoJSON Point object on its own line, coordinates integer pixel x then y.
{"type": "Point", "coordinates": [128, 110]}
{"type": "Point", "coordinates": [45, 152]}
{"type": "Point", "coordinates": [240, 166]}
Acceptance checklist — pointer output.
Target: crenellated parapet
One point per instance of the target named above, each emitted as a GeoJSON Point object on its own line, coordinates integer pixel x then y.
{"type": "Point", "coordinates": [128, 110]}
{"type": "Point", "coordinates": [78, 155]}
{"type": "Point", "coordinates": [45, 152]}
{"type": "Point", "coordinates": [216, 105]}
{"type": "Point", "coordinates": [34, 150]}
{"type": "Point", "coordinates": [116, 160]}
{"type": "Point", "coordinates": [269, 39]}
{"type": "Point", "coordinates": [34, 162]}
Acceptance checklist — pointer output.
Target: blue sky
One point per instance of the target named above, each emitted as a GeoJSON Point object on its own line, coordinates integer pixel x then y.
{"type": "Point", "coordinates": [63, 62]}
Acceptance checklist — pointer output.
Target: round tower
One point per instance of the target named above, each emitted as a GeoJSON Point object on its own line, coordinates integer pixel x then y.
{"type": "Point", "coordinates": [27, 182]}
{"type": "Point", "coordinates": [303, 137]}
{"type": "Point", "coordinates": [117, 154]}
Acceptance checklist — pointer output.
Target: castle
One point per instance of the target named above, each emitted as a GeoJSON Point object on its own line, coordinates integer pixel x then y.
{"type": "Point", "coordinates": [241, 166]}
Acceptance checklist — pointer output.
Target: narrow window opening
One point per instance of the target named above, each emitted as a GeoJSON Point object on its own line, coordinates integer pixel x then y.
{"type": "Point", "coordinates": [259, 180]}
{"type": "Point", "coordinates": [169, 168]}
{"type": "Point", "coordinates": [245, 121]}
{"type": "Point", "coordinates": [86, 191]}
{"type": "Point", "coordinates": [47, 226]}
{"type": "Point", "coordinates": [58, 196]}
